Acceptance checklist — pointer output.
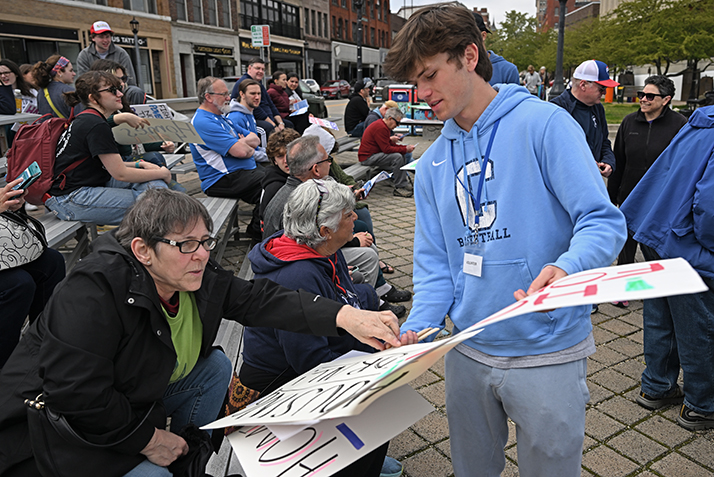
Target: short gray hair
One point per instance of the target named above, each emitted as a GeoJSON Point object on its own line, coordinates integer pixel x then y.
{"type": "Point", "coordinates": [394, 113]}
{"type": "Point", "coordinates": [205, 85]}
{"type": "Point", "coordinates": [302, 154]}
{"type": "Point", "coordinates": [301, 218]}
{"type": "Point", "coordinates": [159, 212]}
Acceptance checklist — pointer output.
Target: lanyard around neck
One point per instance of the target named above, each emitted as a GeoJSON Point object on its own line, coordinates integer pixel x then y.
{"type": "Point", "coordinates": [482, 174]}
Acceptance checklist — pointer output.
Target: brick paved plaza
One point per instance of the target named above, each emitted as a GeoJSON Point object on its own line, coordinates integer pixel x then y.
{"type": "Point", "coordinates": [622, 439]}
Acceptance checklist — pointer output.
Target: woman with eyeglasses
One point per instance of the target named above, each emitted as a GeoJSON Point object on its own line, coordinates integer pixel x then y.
{"type": "Point", "coordinates": [54, 77]}
{"type": "Point", "coordinates": [127, 340]}
{"type": "Point", "coordinates": [641, 138]}
{"type": "Point", "coordinates": [91, 181]}
{"type": "Point", "coordinates": [318, 220]}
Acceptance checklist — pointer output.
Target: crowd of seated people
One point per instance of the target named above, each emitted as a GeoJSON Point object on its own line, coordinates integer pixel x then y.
{"type": "Point", "coordinates": [130, 325]}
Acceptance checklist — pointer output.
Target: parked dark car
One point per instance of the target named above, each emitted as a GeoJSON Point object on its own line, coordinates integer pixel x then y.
{"type": "Point", "coordinates": [335, 89]}
{"type": "Point", "coordinates": [315, 103]}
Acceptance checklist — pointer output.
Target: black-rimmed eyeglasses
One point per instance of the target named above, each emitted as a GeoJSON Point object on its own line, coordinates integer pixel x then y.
{"type": "Point", "coordinates": [649, 96]}
{"type": "Point", "coordinates": [190, 246]}
{"type": "Point", "coordinates": [329, 159]}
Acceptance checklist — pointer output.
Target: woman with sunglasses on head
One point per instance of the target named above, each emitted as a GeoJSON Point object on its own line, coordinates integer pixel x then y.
{"type": "Point", "coordinates": [100, 187]}
{"type": "Point", "coordinates": [54, 77]}
{"type": "Point", "coordinates": [641, 138]}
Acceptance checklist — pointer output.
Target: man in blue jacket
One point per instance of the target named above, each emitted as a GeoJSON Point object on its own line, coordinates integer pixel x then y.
{"type": "Point", "coordinates": [504, 204]}
{"type": "Point", "coordinates": [266, 115]}
{"type": "Point", "coordinates": [671, 214]}
{"type": "Point", "coordinates": [503, 71]}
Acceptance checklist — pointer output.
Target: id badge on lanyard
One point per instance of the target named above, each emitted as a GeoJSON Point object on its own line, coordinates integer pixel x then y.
{"type": "Point", "coordinates": [474, 253]}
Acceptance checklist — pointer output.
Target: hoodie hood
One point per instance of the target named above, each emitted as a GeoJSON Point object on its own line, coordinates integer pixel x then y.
{"type": "Point", "coordinates": [236, 106]}
{"type": "Point", "coordinates": [508, 97]}
{"type": "Point", "coordinates": [279, 251]}
{"type": "Point", "coordinates": [495, 58]}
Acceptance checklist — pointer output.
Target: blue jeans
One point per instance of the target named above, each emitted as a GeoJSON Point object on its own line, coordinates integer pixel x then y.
{"type": "Point", "coordinates": [196, 399]}
{"type": "Point", "coordinates": [25, 291]}
{"type": "Point", "coordinates": [679, 331]}
{"type": "Point", "coordinates": [547, 403]}
{"type": "Point", "coordinates": [357, 131]}
{"type": "Point", "coordinates": [100, 205]}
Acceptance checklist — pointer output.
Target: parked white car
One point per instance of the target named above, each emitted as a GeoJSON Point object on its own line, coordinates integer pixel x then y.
{"type": "Point", "coordinates": [314, 86]}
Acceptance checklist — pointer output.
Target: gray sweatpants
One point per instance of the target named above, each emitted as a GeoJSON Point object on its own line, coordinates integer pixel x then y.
{"type": "Point", "coordinates": [547, 404]}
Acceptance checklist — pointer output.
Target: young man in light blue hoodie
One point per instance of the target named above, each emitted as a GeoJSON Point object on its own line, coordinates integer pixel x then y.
{"type": "Point", "coordinates": [543, 213]}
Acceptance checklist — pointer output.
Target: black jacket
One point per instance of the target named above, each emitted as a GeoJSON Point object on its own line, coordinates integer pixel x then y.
{"type": "Point", "coordinates": [637, 145]}
{"type": "Point", "coordinates": [101, 352]}
{"type": "Point", "coordinates": [356, 111]}
{"type": "Point", "coordinates": [602, 151]}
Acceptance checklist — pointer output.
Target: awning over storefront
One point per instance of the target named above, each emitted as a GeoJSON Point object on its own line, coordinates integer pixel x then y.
{"type": "Point", "coordinates": [226, 60]}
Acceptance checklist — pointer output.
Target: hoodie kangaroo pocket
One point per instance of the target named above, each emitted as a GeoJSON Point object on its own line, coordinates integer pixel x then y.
{"type": "Point", "coordinates": [493, 291]}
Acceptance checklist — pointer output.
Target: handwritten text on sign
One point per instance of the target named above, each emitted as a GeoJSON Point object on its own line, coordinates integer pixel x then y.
{"type": "Point", "coordinates": [346, 387]}
{"type": "Point", "coordinates": [330, 445]}
{"type": "Point", "coordinates": [637, 281]}
{"type": "Point", "coordinates": [159, 130]}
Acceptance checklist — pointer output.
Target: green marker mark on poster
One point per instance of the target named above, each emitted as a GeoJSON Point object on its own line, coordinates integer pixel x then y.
{"type": "Point", "coordinates": [637, 284]}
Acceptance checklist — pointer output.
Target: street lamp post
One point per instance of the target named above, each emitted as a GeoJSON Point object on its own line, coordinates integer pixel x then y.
{"type": "Point", "coordinates": [558, 86]}
{"type": "Point", "coordinates": [137, 57]}
{"type": "Point", "coordinates": [358, 4]}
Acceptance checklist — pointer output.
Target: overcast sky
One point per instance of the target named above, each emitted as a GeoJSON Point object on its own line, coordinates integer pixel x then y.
{"type": "Point", "coordinates": [497, 8]}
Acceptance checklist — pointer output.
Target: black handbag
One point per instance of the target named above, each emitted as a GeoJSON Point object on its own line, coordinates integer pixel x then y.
{"type": "Point", "coordinates": [59, 451]}
{"type": "Point", "coordinates": [22, 239]}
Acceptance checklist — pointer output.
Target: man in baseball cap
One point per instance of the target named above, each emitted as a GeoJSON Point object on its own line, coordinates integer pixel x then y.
{"type": "Point", "coordinates": [590, 81]}
{"type": "Point", "coordinates": [103, 47]}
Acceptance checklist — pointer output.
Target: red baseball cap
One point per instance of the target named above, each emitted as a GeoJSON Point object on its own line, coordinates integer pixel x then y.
{"type": "Point", "coordinates": [100, 27]}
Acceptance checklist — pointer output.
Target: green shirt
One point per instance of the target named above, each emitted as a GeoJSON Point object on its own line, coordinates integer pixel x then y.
{"type": "Point", "coordinates": [186, 334]}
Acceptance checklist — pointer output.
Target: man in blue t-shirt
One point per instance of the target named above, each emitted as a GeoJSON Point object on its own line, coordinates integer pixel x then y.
{"type": "Point", "coordinates": [225, 162]}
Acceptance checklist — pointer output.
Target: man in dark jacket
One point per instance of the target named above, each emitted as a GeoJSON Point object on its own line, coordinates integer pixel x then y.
{"type": "Point", "coordinates": [671, 214]}
{"type": "Point", "coordinates": [357, 109]}
{"type": "Point", "coordinates": [266, 115]}
{"type": "Point", "coordinates": [102, 48]}
{"type": "Point", "coordinates": [641, 138]}
{"type": "Point", "coordinates": [582, 101]}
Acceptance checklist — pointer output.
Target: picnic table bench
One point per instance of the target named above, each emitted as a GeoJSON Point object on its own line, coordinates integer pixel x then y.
{"type": "Point", "coordinates": [230, 338]}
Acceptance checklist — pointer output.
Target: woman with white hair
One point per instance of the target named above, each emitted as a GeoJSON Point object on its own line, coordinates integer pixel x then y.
{"type": "Point", "coordinates": [318, 220]}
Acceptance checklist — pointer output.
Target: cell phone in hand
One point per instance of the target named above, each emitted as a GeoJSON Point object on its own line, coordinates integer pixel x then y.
{"type": "Point", "coordinates": [28, 176]}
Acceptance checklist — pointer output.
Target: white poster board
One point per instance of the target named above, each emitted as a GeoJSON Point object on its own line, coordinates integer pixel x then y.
{"type": "Point", "coordinates": [324, 123]}
{"type": "Point", "coordinates": [326, 447]}
{"type": "Point", "coordinates": [350, 386]}
{"type": "Point", "coordinates": [159, 130]}
{"type": "Point", "coordinates": [152, 111]}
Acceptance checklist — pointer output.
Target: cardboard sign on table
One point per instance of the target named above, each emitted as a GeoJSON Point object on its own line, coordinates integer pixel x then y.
{"type": "Point", "coordinates": [159, 130]}
{"type": "Point", "coordinates": [347, 387]}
